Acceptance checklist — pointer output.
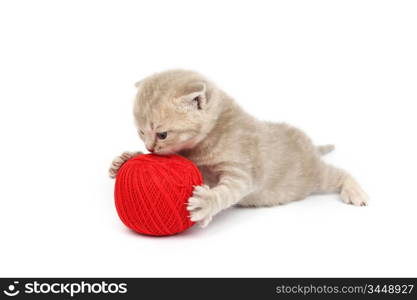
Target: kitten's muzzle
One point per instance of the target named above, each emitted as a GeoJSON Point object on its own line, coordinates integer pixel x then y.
{"type": "Point", "coordinates": [150, 149]}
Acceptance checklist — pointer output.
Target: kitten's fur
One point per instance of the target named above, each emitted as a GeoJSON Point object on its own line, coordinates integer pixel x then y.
{"type": "Point", "coordinates": [244, 161]}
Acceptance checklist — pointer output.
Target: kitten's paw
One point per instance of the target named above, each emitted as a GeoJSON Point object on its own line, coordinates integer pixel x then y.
{"type": "Point", "coordinates": [200, 205]}
{"type": "Point", "coordinates": [352, 193]}
{"type": "Point", "coordinates": [119, 161]}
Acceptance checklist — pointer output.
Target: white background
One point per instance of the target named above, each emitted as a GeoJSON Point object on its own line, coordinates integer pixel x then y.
{"type": "Point", "coordinates": [344, 71]}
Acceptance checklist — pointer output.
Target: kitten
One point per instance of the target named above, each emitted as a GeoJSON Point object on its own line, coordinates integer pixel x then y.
{"type": "Point", "coordinates": [243, 161]}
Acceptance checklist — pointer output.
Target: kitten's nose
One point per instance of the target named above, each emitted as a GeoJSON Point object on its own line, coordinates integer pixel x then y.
{"type": "Point", "coordinates": [150, 149]}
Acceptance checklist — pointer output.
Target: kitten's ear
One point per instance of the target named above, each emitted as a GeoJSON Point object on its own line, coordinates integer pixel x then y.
{"type": "Point", "coordinates": [196, 97]}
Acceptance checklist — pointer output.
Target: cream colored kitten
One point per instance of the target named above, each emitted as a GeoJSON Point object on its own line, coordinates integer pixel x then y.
{"type": "Point", "coordinates": [244, 161]}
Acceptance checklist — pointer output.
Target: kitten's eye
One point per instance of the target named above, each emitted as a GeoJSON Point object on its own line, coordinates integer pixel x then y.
{"type": "Point", "coordinates": [162, 135]}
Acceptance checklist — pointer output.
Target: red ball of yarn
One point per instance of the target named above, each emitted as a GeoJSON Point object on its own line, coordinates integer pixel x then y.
{"type": "Point", "coordinates": [151, 192]}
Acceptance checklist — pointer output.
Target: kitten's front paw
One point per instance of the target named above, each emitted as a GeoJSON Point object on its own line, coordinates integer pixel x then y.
{"type": "Point", "coordinates": [201, 205]}
{"type": "Point", "coordinates": [119, 161]}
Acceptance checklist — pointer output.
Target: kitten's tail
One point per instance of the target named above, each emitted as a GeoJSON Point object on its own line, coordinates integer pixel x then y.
{"type": "Point", "coordinates": [324, 149]}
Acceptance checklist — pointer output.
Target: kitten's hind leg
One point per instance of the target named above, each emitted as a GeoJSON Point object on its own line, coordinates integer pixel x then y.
{"type": "Point", "coordinates": [335, 180]}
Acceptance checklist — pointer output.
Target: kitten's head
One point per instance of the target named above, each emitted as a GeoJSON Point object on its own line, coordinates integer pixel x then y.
{"type": "Point", "coordinates": [173, 111]}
